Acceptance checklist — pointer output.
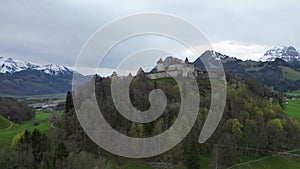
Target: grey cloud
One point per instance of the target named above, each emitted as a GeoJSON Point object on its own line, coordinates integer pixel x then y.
{"type": "Point", "coordinates": [54, 31]}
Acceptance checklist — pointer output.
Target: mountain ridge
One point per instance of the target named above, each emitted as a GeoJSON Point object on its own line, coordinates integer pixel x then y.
{"type": "Point", "coordinates": [23, 78]}
{"type": "Point", "coordinates": [278, 75]}
{"type": "Point", "coordinates": [10, 65]}
{"type": "Point", "coordinates": [286, 53]}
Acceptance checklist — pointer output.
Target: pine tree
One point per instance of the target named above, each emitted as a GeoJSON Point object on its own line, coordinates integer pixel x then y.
{"type": "Point", "coordinates": [192, 156]}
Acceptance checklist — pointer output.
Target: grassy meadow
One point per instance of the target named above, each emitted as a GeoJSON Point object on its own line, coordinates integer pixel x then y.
{"type": "Point", "coordinates": [4, 123]}
{"type": "Point", "coordinates": [289, 73]}
{"type": "Point", "coordinates": [273, 163]}
{"type": "Point", "coordinates": [41, 117]}
{"type": "Point", "coordinates": [293, 109]}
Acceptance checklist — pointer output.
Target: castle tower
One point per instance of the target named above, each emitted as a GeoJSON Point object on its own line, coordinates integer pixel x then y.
{"type": "Point", "coordinates": [160, 61]}
{"type": "Point", "coordinates": [140, 71]}
{"type": "Point", "coordinates": [114, 74]}
{"type": "Point", "coordinates": [160, 65]}
{"type": "Point", "coordinates": [186, 60]}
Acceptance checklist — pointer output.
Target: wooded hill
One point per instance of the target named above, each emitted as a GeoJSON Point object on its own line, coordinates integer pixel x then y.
{"type": "Point", "coordinates": [15, 111]}
{"type": "Point", "coordinates": [251, 127]}
{"type": "Point", "coordinates": [249, 120]}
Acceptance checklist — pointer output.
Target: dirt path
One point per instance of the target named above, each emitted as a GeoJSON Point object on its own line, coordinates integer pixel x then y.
{"type": "Point", "coordinates": [285, 153]}
{"type": "Point", "coordinates": [10, 126]}
{"type": "Point", "coordinates": [54, 127]}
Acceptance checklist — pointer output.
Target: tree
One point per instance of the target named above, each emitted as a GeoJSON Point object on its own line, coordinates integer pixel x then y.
{"type": "Point", "coordinates": [250, 133]}
{"type": "Point", "coordinates": [158, 128]}
{"type": "Point", "coordinates": [61, 151]}
{"type": "Point", "coordinates": [69, 102]}
{"type": "Point", "coordinates": [253, 85]}
{"type": "Point", "coordinates": [83, 160]}
{"type": "Point", "coordinates": [192, 155]}
{"type": "Point", "coordinates": [6, 157]}
{"type": "Point", "coordinates": [292, 128]}
{"type": "Point", "coordinates": [16, 140]}
{"type": "Point", "coordinates": [276, 135]}
{"type": "Point", "coordinates": [225, 155]}
{"type": "Point", "coordinates": [39, 145]}
{"type": "Point", "coordinates": [237, 128]}
{"type": "Point", "coordinates": [30, 147]}
{"type": "Point", "coordinates": [60, 155]}
{"type": "Point", "coordinates": [137, 130]}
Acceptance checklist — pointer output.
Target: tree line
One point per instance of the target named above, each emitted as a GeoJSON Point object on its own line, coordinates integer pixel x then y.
{"type": "Point", "coordinates": [251, 125]}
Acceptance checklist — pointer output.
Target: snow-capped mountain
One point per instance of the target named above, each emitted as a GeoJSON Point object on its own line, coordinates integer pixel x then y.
{"type": "Point", "coordinates": [216, 55]}
{"type": "Point", "coordinates": [212, 57]}
{"type": "Point", "coordinates": [53, 69]}
{"type": "Point", "coordinates": [9, 65]}
{"type": "Point", "coordinates": [286, 53]}
{"type": "Point", "coordinates": [22, 78]}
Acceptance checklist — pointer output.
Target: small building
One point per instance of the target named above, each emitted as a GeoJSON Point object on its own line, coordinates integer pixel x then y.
{"type": "Point", "coordinates": [45, 106]}
{"type": "Point", "coordinates": [49, 106]}
{"type": "Point", "coordinates": [38, 107]}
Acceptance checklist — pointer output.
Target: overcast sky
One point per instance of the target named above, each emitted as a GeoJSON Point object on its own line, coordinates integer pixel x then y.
{"type": "Point", "coordinates": [52, 31]}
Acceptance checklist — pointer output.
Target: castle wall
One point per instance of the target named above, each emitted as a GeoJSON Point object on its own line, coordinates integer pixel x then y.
{"type": "Point", "coordinates": [163, 74]}
{"type": "Point", "coordinates": [160, 67]}
{"type": "Point", "coordinates": [172, 69]}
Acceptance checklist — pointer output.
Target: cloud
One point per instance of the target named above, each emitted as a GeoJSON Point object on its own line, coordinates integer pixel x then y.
{"type": "Point", "coordinates": [240, 50]}
{"type": "Point", "coordinates": [55, 31]}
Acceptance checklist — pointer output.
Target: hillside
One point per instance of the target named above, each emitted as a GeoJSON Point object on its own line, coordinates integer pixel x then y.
{"type": "Point", "coordinates": [251, 128]}
{"type": "Point", "coordinates": [15, 111]}
{"type": "Point", "coordinates": [249, 120]}
{"type": "Point", "coordinates": [23, 79]}
{"type": "Point", "coordinates": [290, 73]}
{"type": "Point", "coordinates": [42, 118]}
{"type": "Point", "coordinates": [4, 123]}
{"type": "Point", "coordinates": [279, 75]}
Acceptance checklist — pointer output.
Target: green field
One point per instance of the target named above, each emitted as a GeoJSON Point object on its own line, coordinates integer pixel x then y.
{"type": "Point", "coordinates": [41, 117]}
{"type": "Point", "coordinates": [274, 163]}
{"type": "Point", "coordinates": [268, 163]}
{"type": "Point", "coordinates": [289, 73]}
{"type": "Point", "coordinates": [254, 69]}
{"type": "Point", "coordinates": [4, 123]}
{"type": "Point", "coordinates": [293, 109]}
{"type": "Point", "coordinates": [293, 93]}
{"type": "Point", "coordinates": [128, 164]}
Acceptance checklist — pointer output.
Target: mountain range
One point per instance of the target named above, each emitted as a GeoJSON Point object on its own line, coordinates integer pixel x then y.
{"type": "Point", "coordinates": [278, 68]}
{"type": "Point", "coordinates": [11, 66]}
{"type": "Point", "coordinates": [286, 53]}
{"type": "Point", "coordinates": [22, 78]}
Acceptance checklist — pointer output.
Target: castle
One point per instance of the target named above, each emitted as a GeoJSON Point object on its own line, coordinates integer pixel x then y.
{"type": "Point", "coordinates": [173, 67]}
